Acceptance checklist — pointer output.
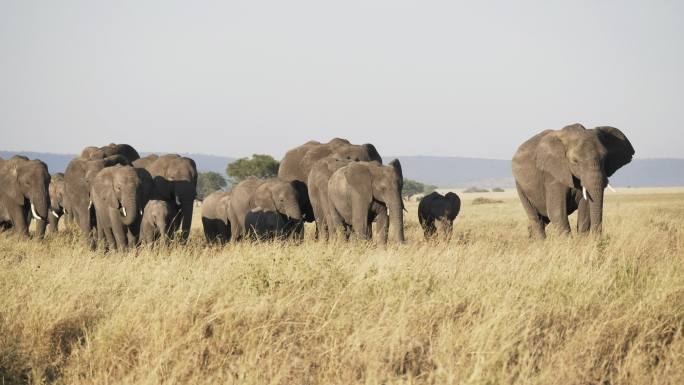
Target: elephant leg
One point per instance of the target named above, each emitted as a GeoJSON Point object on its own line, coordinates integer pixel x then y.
{"type": "Point", "coordinates": [133, 233]}
{"type": "Point", "coordinates": [118, 229]}
{"type": "Point", "coordinates": [583, 217]}
{"type": "Point", "coordinates": [536, 225]}
{"type": "Point", "coordinates": [186, 209]}
{"type": "Point", "coordinates": [143, 233]}
{"type": "Point", "coordinates": [53, 222]}
{"type": "Point", "coordinates": [224, 231]}
{"type": "Point", "coordinates": [557, 207]}
{"type": "Point", "coordinates": [448, 229]}
{"type": "Point", "coordinates": [429, 228]}
{"type": "Point", "coordinates": [40, 228]}
{"type": "Point", "coordinates": [235, 229]}
{"type": "Point", "coordinates": [336, 225]}
{"type": "Point", "coordinates": [360, 220]}
{"type": "Point", "coordinates": [206, 223]}
{"type": "Point", "coordinates": [175, 224]}
{"type": "Point", "coordinates": [104, 231]}
{"type": "Point", "coordinates": [319, 217]}
{"type": "Point", "coordinates": [110, 242]}
{"type": "Point", "coordinates": [383, 225]}
{"type": "Point", "coordinates": [84, 225]}
{"type": "Point", "coordinates": [19, 220]}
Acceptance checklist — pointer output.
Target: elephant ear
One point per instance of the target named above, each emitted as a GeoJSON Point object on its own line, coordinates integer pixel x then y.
{"type": "Point", "coordinates": [373, 154]}
{"type": "Point", "coordinates": [104, 189]}
{"type": "Point", "coordinates": [11, 178]}
{"type": "Point", "coordinates": [552, 159]}
{"type": "Point", "coordinates": [619, 149]}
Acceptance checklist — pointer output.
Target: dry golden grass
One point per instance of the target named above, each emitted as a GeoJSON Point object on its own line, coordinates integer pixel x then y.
{"type": "Point", "coordinates": [488, 307]}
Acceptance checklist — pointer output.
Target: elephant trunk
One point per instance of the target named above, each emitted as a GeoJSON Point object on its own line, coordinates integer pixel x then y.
{"type": "Point", "coordinates": [128, 213]}
{"type": "Point", "coordinates": [594, 189]}
{"type": "Point", "coordinates": [40, 203]}
{"type": "Point", "coordinates": [293, 212]}
{"type": "Point", "coordinates": [40, 210]}
{"type": "Point", "coordinates": [396, 216]}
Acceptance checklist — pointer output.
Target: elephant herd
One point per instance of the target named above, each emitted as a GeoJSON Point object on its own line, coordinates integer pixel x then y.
{"type": "Point", "coordinates": [117, 198]}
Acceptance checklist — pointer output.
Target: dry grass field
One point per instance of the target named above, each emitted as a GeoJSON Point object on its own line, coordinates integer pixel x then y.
{"type": "Point", "coordinates": [487, 307]}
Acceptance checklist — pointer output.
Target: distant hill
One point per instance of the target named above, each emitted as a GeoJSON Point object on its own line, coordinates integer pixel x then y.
{"type": "Point", "coordinates": [455, 171]}
{"type": "Point", "coordinates": [466, 172]}
{"type": "Point", "coordinates": [446, 171]}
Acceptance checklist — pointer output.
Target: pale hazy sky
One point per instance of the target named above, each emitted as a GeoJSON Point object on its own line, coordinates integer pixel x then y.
{"type": "Point", "coordinates": [461, 78]}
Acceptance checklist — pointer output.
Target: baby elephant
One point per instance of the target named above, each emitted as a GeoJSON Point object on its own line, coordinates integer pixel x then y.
{"type": "Point", "coordinates": [156, 220]}
{"type": "Point", "coordinates": [440, 208]}
{"type": "Point", "coordinates": [266, 225]}
{"type": "Point", "coordinates": [215, 213]}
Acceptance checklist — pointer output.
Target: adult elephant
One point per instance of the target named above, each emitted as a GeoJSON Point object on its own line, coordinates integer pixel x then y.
{"type": "Point", "coordinates": [118, 195]}
{"type": "Point", "coordinates": [57, 201]}
{"type": "Point", "coordinates": [317, 183]}
{"type": "Point", "coordinates": [78, 176]}
{"type": "Point", "coordinates": [215, 217]}
{"type": "Point", "coordinates": [24, 193]}
{"type": "Point", "coordinates": [438, 208]}
{"type": "Point", "coordinates": [175, 181]}
{"type": "Point", "coordinates": [360, 192]}
{"type": "Point", "coordinates": [298, 161]}
{"type": "Point", "coordinates": [254, 194]}
{"type": "Point", "coordinates": [558, 172]}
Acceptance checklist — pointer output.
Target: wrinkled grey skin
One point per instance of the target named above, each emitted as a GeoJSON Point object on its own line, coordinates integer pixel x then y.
{"type": "Point", "coordinates": [264, 194]}
{"type": "Point", "coordinates": [297, 163]}
{"type": "Point", "coordinates": [57, 201]}
{"type": "Point", "coordinates": [175, 181]}
{"type": "Point", "coordinates": [215, 217]}
{"type": "Point", "coordinates": [269, 225]}
{"type": "Point", "coordinates": [440, 209]}
{"type": "Point", "coordinates": [24, 194]}
{"type": "Point", "coordinates": [317, 183]}
{"type": "Point", "coordinates": [117, 193]}
{"type": "Point", "coordinates": [78, 176]}
{"type": "Point", "coordinates": [363, 191]}
{"type": "Point", "coordinates": [552, 167]}
{"type": "Point", "coordinates": [156, 221]}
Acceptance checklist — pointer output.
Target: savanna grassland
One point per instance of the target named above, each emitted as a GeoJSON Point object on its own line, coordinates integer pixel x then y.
{"type": "Point", "coordinates": [487, 307]}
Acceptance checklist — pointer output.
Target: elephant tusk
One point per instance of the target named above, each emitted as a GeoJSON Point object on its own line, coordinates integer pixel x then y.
{"type": "Point", "coordinates": [54, 214]}
{"type": "Point", "coordinates": [584, 193]}
{"type": "Point", "coordinates": [178, 202]}
{"type": "Point", "coordinates": [35, 214]}
{"type": "Point", "coordinates": [90, 204]}
{"type": "Point", "coordinates": [611, 188]}
{"type": "Point", "coordinates": [123, 211]}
